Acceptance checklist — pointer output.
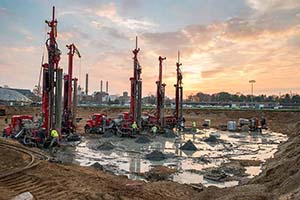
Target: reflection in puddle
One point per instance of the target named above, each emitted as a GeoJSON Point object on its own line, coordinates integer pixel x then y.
{"type": "Point", "coordinates": [128, 157]}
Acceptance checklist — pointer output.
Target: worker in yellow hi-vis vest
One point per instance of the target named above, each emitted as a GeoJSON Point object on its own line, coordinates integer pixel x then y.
{"type": "Point", "coordinates": [55, 137]}
{"type": "Point", "coordinates": [134, 127]}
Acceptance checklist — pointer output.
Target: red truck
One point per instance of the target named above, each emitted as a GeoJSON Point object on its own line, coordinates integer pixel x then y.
{"type": "Point", "coordinates": [17, 122]}
{"type": "Point", "coordinates": [98, 123]}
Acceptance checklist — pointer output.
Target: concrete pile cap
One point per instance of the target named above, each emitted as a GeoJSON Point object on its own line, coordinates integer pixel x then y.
{"type": "Point", "coordinates": [189, 146]}
{"type": "Point", "coordinates": [106, 146]}
{"type": "Point", "coordinates": [156, 156]}
{"type": "Point", "coordinates": [143, 139]}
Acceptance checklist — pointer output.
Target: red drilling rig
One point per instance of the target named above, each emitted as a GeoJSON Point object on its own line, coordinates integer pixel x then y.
{"type": "Point", "coordinates": [69, 107]}
{"type": "Point", "coordinates": [178, 95]}
{"type": "Point", "coordinates": [136, 88]}
{"type": "Point", "coordinates": [160, 96]}
{"type": "Point", "coordinates": [52, 84]}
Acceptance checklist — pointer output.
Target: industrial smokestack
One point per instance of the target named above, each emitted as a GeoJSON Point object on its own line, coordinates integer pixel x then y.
{"type": "Point", "coordinates": [107, 87]}
{"type": "Point", "coordinates": [86, 84]}
{"type": "Point", "coordinates": [101, 86]}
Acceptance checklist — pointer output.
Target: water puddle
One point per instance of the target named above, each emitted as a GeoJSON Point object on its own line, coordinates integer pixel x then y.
{"type": "Point", "coordinates": [128, 158]}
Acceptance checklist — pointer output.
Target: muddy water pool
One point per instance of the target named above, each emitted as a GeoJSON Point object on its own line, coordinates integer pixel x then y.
{"type": "Point", "coordinates": [128, 157]}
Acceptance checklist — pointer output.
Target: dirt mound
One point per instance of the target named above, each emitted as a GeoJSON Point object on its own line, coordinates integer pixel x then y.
{"type": "Point", "coordinates": [108, 134]}
{"type": "Point", "coordinates": [211, 139]}
{"type": "Point", "coordinates": [106, 146]}
{"type": "Point", "coordinates": [97, 165]}
{"type": "Point", "coordinates": [159, 173]}
{"type": "Point", "coordinates": [169, 134]}
{"type": "Point", "coordinates": [156, 156]}
{"type": "Point", "coordinates": [189, 146]}
{"type": "Point", "coordinates": [143, 139]}
{"type": "Point", "coordinates": [202, 159]}
{"type": "Point", "coordinates": [215, 174]}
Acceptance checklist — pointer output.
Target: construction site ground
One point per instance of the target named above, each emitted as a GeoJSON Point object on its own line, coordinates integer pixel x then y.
{"type": "Point", "coordinates": [279, 178]}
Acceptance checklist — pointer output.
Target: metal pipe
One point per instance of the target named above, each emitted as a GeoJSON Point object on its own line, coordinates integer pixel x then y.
{"type": "Point", "coordinates": [139, 104]}
{"type": "Point", "coordinates": [74, 112]}
{"type": "Point", "coordinates": [86, 84]}
{"type": "Point", "coordinates": [58, 100]}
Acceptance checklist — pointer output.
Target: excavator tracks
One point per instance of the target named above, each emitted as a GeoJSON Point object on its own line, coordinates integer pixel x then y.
{"type": "Point", "coordinates": [18, 181]}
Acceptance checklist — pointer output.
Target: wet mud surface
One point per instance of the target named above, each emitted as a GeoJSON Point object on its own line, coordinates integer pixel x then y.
{"type": "Point", "coordinates": [214, 158]}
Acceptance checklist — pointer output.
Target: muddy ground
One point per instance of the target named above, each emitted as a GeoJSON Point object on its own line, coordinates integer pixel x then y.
{"type": "Point", "coordinates": [278, 180]}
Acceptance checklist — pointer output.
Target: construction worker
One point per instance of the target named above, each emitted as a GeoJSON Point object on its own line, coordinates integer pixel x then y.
{"type": "Point", "coordinates": [54, 135]}
{"type": "Point", "coordinates": [134, 127]}
{"type": "Point", "coordinates": [154, 130]}
{"type": "Point", "coordinates": [194, 126]}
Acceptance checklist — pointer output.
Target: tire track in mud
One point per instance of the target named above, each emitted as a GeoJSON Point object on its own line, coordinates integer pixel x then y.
{"type": "Point", "coordinates": [19, 181]}
{"type": "Point", "coordinates": [22, 182]}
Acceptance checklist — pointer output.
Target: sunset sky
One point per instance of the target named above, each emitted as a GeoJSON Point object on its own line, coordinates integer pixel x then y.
{"type": "Point", "coordinates": [223, 43]}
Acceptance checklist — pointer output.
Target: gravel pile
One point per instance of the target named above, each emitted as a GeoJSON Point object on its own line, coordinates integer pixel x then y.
{"type": "Point", "coordinates": [156, 156]}
{"type": "Point", "coordinates": [189, 146]}
{"type": "Point", "coordinates": [143, 139]}
{"type": "Point", "coordinates": [106, 146]}
{"type": "Point", "coordinates": [169, 134]}
{"type": "Point", "coordinates": [211, 139]}
{"type": "Point", "coordinates": [108, 134]}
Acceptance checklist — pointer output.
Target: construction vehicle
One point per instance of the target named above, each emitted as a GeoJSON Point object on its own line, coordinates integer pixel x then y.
{"type": "Point", "coordinates": [51, 97]}
{"type": "Point", "coordinates": [162, 120]}
{"type": "Point", "coordinates": [16, 124]}
{"type": "Point", "coordinates": [24, 129]}
{"type": "Point", "coordinates": [52, 82]}
{"type": "Point", "coordinates": [122, 124]}
{"type": "Point", "coordinates": [179, 96]}
{"type": "Point", "coordinates": [98, 123]}
{"type": "Point", "coordinates": [70, 90]}
{"type": "Point", "coordinates": [64, 122]}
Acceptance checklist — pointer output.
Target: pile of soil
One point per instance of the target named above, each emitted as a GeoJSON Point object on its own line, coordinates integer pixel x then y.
{"type": "Point", "coordinates": [169, 134]}
{"type": "Point", "coordinates": [97, 165]}
{"type": "Point", "coordinates": [156, 156]}
{"type": "Point", "coordinates": [106, 146]}
{"type": "Point", "coordinates": [234, 168]}
{"type": "Point", "coordinates": [159, 173]}
{"type": "Point", "coordinates": [108, 134]}
{"type": "Point", "coordinates": [211, 139]}
{"type": "Point", "coordinates": [202, 159]}
{"type": "Point", "coordinates": [143, 139]}
{"type": "Point", "coordinates": [189, 146]}
{"type": "Point", "coordinates": [215, 174]}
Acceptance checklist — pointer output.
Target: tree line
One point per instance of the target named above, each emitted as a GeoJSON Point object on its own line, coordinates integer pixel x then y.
{"type": "Point", "coordinates": [227, 97]}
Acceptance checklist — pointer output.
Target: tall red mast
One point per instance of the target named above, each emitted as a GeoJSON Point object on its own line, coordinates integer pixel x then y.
{"type": "Point", "coordinates": [72, 50]}
{"type": "Point", "coordinates": [160, 95]}
{"type": "Point", "coordinates": [178, 91]}
{"type": "Point", "coordinates": [136, 84]}
{"type": "Point", "coordinates": [50, 70]}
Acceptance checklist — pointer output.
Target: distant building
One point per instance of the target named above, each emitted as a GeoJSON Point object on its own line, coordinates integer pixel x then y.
{"type": "Point", "coordinates": [29, 94]}
{"type": "Point", "coordinates": [13, 97]}
{"type": "Point", "coordinates": [125, 99]}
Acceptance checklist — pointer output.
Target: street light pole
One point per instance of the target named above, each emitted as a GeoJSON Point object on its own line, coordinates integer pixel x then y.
{"type": "Point", "coordinates": [252, 83]}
